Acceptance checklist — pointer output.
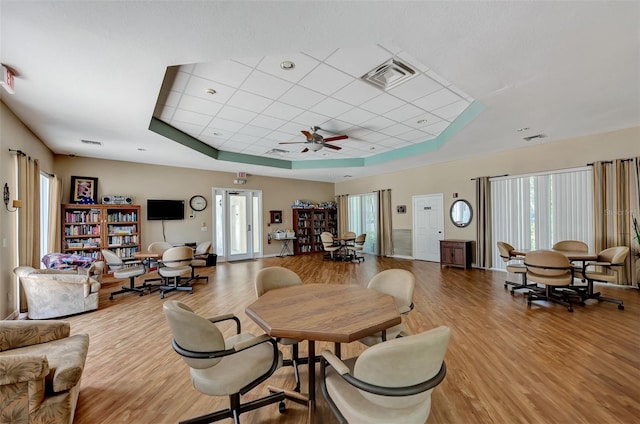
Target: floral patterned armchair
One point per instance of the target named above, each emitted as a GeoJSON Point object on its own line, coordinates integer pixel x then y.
{"type": "Point", "coordinates": [40, 370]}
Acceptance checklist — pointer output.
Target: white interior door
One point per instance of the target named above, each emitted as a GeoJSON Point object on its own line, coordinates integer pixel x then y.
{"type": "Point", "coordinates": [428, 226]}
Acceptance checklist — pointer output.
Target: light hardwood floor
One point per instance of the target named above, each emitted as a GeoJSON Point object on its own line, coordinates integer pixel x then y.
{"type": "Point", "coordinates": [507, 363]}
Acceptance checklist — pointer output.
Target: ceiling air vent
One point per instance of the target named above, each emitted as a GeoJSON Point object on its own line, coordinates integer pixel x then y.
{"type": "Point", "coordinates": [95, 143]}
{"type": "Point", "coordinates": [390, 74]}
{"type": "Point", "coordinates": [534, 137]}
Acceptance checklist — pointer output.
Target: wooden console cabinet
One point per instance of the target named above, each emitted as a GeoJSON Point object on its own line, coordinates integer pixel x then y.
{"type": "Point", "coordinates": [455, 253]}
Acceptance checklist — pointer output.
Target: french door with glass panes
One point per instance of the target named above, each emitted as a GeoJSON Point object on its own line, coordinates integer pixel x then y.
{"type": "Point", "coordinates": [237, 224]}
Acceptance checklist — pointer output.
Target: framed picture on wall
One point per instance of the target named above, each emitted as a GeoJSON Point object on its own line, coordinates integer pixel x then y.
{"type": "Point", "coordinates": [84, 189]}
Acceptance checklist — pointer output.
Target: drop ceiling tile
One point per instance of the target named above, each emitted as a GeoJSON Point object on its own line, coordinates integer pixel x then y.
{"type": "Point", "coordinates": [282, 111]}
{"type": "Point", "coordinates": [373, 137]}
{"type": "Point", "coordinates": [460, 93]}
{"type": "Point", "coordinates": [335, 127]}
{"type": "Point", "coordinates": [357, 92]}
{"type": "Point", "coordinates": [392, 142]}
{"type": "Point", "coordinates": [320, 54]}
{"type": "Point", "coordinates": [356, 116]}
{"type": "Point", "coordinates": [224, 126]}
{"type": "Point", "coordinates": [359, 60]}
{"type": "Point", "coordinates": [438, 78]}
{"type": "Point", "coordinates": [182, 115]}
{"type": "Point", "coordinates": [293, 128]}
{"type": "Point", "coordinates": [403, 113]}
{"type": "Point", "coordinates": [234, 114]}
{"type": "Point", "coordinates": [416, 121]}
{"type": "Point", "coordinates": [167, 113]}
{"type": "Point", "coordinates": [390, 47]}
{"type": "Point", "coordinates": [266, 85]}
{"type": "Point", "coordinates": [254, 130]}
{"type": "Point", "coordinates": [282, 136]}
{"type": "Point", "coordinates": [239, 139]}
{"type": "Point", "coordinates": [437, 100]}
{"type": "Point", "coordinates": [180, 81]}
{"type": "Point", "coordinates": [249, 101]}
{"type": "Point", "coordinates": [268, 122]}
{"type": "Point", "coordinates": [395, 130]}
{"type": "Point", "coordinates": [188, 68]}
{"type": "Point", "coordinates": [301, 97]}
{"type": "Point", "coordinates": [450, 112]}
{"type": "Point", "coordinates": [173, 99]}
{"type": "Point", "coordinates": [377, 123]}
{"type": "Point", "coordinates": [331, 107]}
{"type": "Point", "coordinates": [225, 71]}
{"type": "Point", "coordinates": [382, 104]}
{"type": "Point", "coordinates": [193, 130]}
{"type": "Point", "coordinates": [198, 87]}
{"type": "Point", "coordinates": [436, 128]}
{"type": "Point", "coordinates": [303, 65]}
{"type": "Point", "coordinates": [415, 136]}
{"type": "Point", "coordinates": [310, 119]}
{"type": "Point", "coordinates": [251, 62]}
{"type": "Point", "coordinates": [416, 87]}
{"type": "Point", "coordinates": [197, 104]}
{"type": "Point", "coordinates": [325, 79]}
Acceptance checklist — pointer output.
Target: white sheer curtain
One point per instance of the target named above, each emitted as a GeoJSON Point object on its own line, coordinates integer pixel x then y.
{"type": "Point", "coordinates": [534, 211]}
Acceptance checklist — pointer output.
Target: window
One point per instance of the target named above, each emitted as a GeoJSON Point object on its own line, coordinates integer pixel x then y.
{"type": "Point", "coordinates": [44, 215]}
{"type": "Point", "coordinates": [536, 211]}
{"type": "Point", "coordinates": [363, 218]}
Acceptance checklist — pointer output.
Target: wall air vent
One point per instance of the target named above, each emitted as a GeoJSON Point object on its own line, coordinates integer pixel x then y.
{"type": "Point", "coordinates": [534, 137]}
{"type": "Point", "coordinates": [95, 143]}
{"type": "Point", "coordinates": [390, 74]}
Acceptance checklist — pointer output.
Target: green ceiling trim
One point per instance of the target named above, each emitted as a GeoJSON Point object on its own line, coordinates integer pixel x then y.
{"type": "Point", "coordinates": [166, 130]}
{"type": "Point", "coordinates": [186, 140]}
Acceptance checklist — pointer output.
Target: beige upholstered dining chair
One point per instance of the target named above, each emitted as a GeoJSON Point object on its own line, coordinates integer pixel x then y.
{"type": "Point", "coordinates": [175, 264]}
{"type": "Point", "coordinates": [122, 269]}
{"type": "Point", "coordinates": [276, 277]}
{"type": "Point", "coordinates": [223, 367]}
{"type": "Point", "coordinates": [200, 260]}
{"type": "Point", "coordinates": [554, 271]}
{"type": "Point", "coordinates": [571, 246]}
{"type": "Point", "coordinates": [328, 245]}
{"type": "Point", "coordinates": [158, 247]}
{"type": "Point", "coordinates": [400, 284]}
{"type": "Point", "coordinates": [514, 265]}
{"type": "Point", "coordinates": [606, 269]}
{"type": "Point", "coordinates": [388, 383]}
{"type": "Point", "coordinates": [357, 246]}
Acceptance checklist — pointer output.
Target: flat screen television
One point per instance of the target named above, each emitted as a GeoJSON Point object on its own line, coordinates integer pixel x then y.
{"type": "Point", "coordinates": [159, 210]}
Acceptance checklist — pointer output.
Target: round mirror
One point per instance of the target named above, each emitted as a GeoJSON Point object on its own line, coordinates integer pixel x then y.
{"type": "Point", "coordinates": [461, 213]}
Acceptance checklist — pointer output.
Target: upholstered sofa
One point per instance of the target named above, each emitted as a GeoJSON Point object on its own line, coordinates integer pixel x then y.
{"type": "Point", "coordinates": [40, 370]}
{"type": "Point", "coordinates": [54, 293]}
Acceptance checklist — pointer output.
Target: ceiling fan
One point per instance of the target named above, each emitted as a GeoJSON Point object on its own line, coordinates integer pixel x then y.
{"type": "Point", "coordinates": [317, 141]}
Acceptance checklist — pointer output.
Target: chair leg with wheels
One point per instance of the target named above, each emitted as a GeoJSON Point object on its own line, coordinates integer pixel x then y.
{"type": "Point", "coordinates": [130, 288]}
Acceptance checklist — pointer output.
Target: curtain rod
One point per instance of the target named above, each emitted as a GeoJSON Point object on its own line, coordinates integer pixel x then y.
{"type": "Point", "coordinates": [19, 152]}
{"type": "Point", "coordinates": [610, 161]}
{"type": "Point", "coordinates": [492, 176]}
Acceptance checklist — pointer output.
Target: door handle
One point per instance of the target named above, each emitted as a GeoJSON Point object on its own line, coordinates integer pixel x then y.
{"type": "Point", "coordinates": [248, 227]}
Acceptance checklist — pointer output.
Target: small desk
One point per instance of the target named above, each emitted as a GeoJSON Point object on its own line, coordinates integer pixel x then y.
{"type": "Point", "coordinates": [285, 251]}
{"type": "Point", "coordinates": [323, 312]}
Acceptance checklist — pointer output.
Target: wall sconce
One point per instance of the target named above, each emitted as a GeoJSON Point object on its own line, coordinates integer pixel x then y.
{"type": "Point", "coordinates": [6, 196]}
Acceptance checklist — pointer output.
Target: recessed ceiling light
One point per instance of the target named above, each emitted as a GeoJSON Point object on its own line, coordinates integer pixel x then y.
{"type": "Point", "coordinates": [348, 176]}
{"type": "Point", "coordinates": [210, 91]}
{"type": "Point", "coordinates": [287, 65]}
{"type": "Point", "coordinates": [217, 133]}
{"type": "Point", "coordinates": [422, 121]}
{"type": "Point", "coordinates": [142, 149]}
{"type": "Point", "coordinates": [522, 129]}
{"type": "Point", "coordinates": [372, 148]}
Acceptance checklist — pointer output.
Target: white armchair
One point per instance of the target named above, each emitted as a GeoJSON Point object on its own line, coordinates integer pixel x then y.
{"type": "Point", "coordinates": [53, 293]}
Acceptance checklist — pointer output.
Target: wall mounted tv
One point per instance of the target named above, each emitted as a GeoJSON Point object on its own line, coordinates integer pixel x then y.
{"type": "Point", "coordinates": [165, 210]}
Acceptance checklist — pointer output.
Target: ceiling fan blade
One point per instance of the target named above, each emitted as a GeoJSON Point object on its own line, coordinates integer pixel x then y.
{"type": "Point", "coordinates": [338, 137]}
{"type": "Point", "coordinates": [306, 149]}
{"type": "Point", "coordinates": [331, 146]}
{"type": "Point", "coordinates": [307, 134]}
